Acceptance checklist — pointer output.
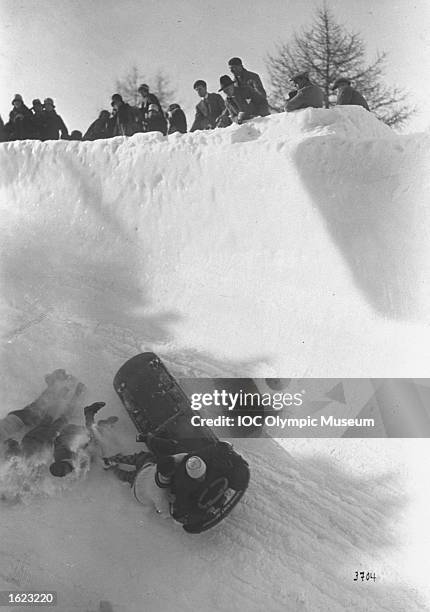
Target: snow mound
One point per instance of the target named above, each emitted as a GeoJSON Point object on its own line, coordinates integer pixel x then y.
{"type": "Point", "coordinates": [252, 244]}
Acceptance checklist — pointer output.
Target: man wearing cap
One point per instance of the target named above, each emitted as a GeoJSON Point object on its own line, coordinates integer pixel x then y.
{"type": "Point", "coordinates": [241, 103]}
{"type": "Point", "coordinates": [347, 94]}
{"type": "Point", "coordinates": [246, 78]}
{"type": "Point", "coordinates": [54, 125]}
{"type": "Point", "coordinates": [126, 119]}
{"type": "Point", "coordinates": [153, 116]}
{"type": "Point", "coordinates": [210, 107]}
{"type": "Point", "coordinates": [19, 126]}
{"type": "Point", "coordinates": [308, 94]}
{"type": "Point", "coordinates": [39, 122]}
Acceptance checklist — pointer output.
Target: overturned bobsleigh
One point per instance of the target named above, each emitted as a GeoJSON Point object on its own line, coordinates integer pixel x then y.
{"type": "Point", "coordinates": [156, 404]}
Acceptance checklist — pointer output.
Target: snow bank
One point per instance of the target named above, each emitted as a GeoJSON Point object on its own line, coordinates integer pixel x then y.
{"type": "Point", "coordinates": [294, 245]}
{"type": "Point", "coordinates": [253, 244]}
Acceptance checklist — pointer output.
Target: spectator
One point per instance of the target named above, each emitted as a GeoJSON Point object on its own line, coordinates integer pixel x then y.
{"type": "Point", "coordinates": [39, 120]}
{"type": "Point", "coordinates": [54, 123]}
{"type": "Point", "coordinates": [126, 120]}
{"type": "Point", "coordinates": [246, 78]}
{"type": "Point", "coordinates": [75, 135]}
{"type": "Point", "coordinates": [19, 126]}
{"type": "Point", "coordinates": [102, 127]}
{"type": "Point", "coordinates": [347, 94]}
{"type": "Point", "coordinates": [176, 119]}
{"type": "Point", "coordinates": [210, 107]}
{"type": "Point", "coordinates": [308, 94]}
{"type": "Point", "coordinates": [153, 118]}
{"type": "Point", "coordinates": [241, 103]}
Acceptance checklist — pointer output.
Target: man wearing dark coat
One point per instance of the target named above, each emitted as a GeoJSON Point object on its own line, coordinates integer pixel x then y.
{"type": "Point", "coordinates": [177, 119]}
{"type": "Point", "coordinates": [54, 125]}
{"type": "Point", "coordinates": [246, 78]}
{"type": "Point", "coordinates": [39, 121]}
{"type": "Point", "coordinates": [210, 107]}
{"type": "Point", "coordinates": [19, 126]}
{"type": "Point", "coordinates": [126, 120]}
{"type": "Point", "coordinates": [347, 94]}
{"type": "Point", "coordinates": [241, 103]}
{"type": "Point", "coordinates": [153, 117]}
{"type": "Point", "coordinates": [102, 127]}
{"type": "Point", "coordinates": [308, 94]}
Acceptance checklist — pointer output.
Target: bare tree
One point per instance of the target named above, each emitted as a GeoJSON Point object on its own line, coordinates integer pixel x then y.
{"type": "Point", "coordinates": [160, 85]}
{"type": "Point", "coordinates": [329, 51]}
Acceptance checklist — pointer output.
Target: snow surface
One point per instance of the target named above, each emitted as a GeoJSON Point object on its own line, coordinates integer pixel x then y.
{"type": "Point", "coordinates": [293, 245]}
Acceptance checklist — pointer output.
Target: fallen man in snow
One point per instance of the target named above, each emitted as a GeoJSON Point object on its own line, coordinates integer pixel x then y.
{"type": "Point", "coordinates": [185, 486]}
{"type": "Point", "coordinates": [47, 430]}
{"type": "Point", "coordinates": [61, 397]}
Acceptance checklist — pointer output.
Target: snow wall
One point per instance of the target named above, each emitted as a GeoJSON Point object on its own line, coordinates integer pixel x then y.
{"type": "Point", "coordinates": [293, 245]}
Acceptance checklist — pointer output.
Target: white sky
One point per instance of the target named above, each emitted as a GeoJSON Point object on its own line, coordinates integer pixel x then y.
{"type": "Point", "coordinates": [73, 50]}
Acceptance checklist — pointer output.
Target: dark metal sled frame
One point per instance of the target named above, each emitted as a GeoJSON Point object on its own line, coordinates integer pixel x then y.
{"type": "Point", "coordinates": [156, 403]}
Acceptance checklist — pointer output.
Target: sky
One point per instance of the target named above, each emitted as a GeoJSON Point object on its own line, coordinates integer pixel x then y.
{"type": "Point", "coordinates": [74, 50]}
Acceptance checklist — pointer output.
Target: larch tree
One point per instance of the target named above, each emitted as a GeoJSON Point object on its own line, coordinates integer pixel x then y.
{"type": "Point", "coordinates": [160, 85]}
{"type": "Point", "coordinates": [328, 50]}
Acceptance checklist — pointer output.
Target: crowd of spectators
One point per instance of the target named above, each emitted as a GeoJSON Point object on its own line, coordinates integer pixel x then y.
{"type": "Point", "coordinates": [244, 98]}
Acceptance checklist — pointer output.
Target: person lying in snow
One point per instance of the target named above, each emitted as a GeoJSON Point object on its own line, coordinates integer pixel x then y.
{"type": "Point", "coordinates": [60, 397]}
{"type": "Point", "coordinates": [152, 474]}
{"type": "Point", "coordinates": [51, 434]}
{"type": "Point", "coordinates": [173, 483]}
{"type": "Point", "coordinates": [37, 440]}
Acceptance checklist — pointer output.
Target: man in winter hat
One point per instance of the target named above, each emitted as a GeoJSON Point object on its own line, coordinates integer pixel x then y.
{"type": "Point", "coordinates": [347, 94]}
{"type": "Point", "coordinates": [19, 126]}
{"type": "Point", "coordinates": [54, 123]}
{"type": "Point", "coordinates": [241, 103]}
{"type": "Point", "coordinates": [308, 94]}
